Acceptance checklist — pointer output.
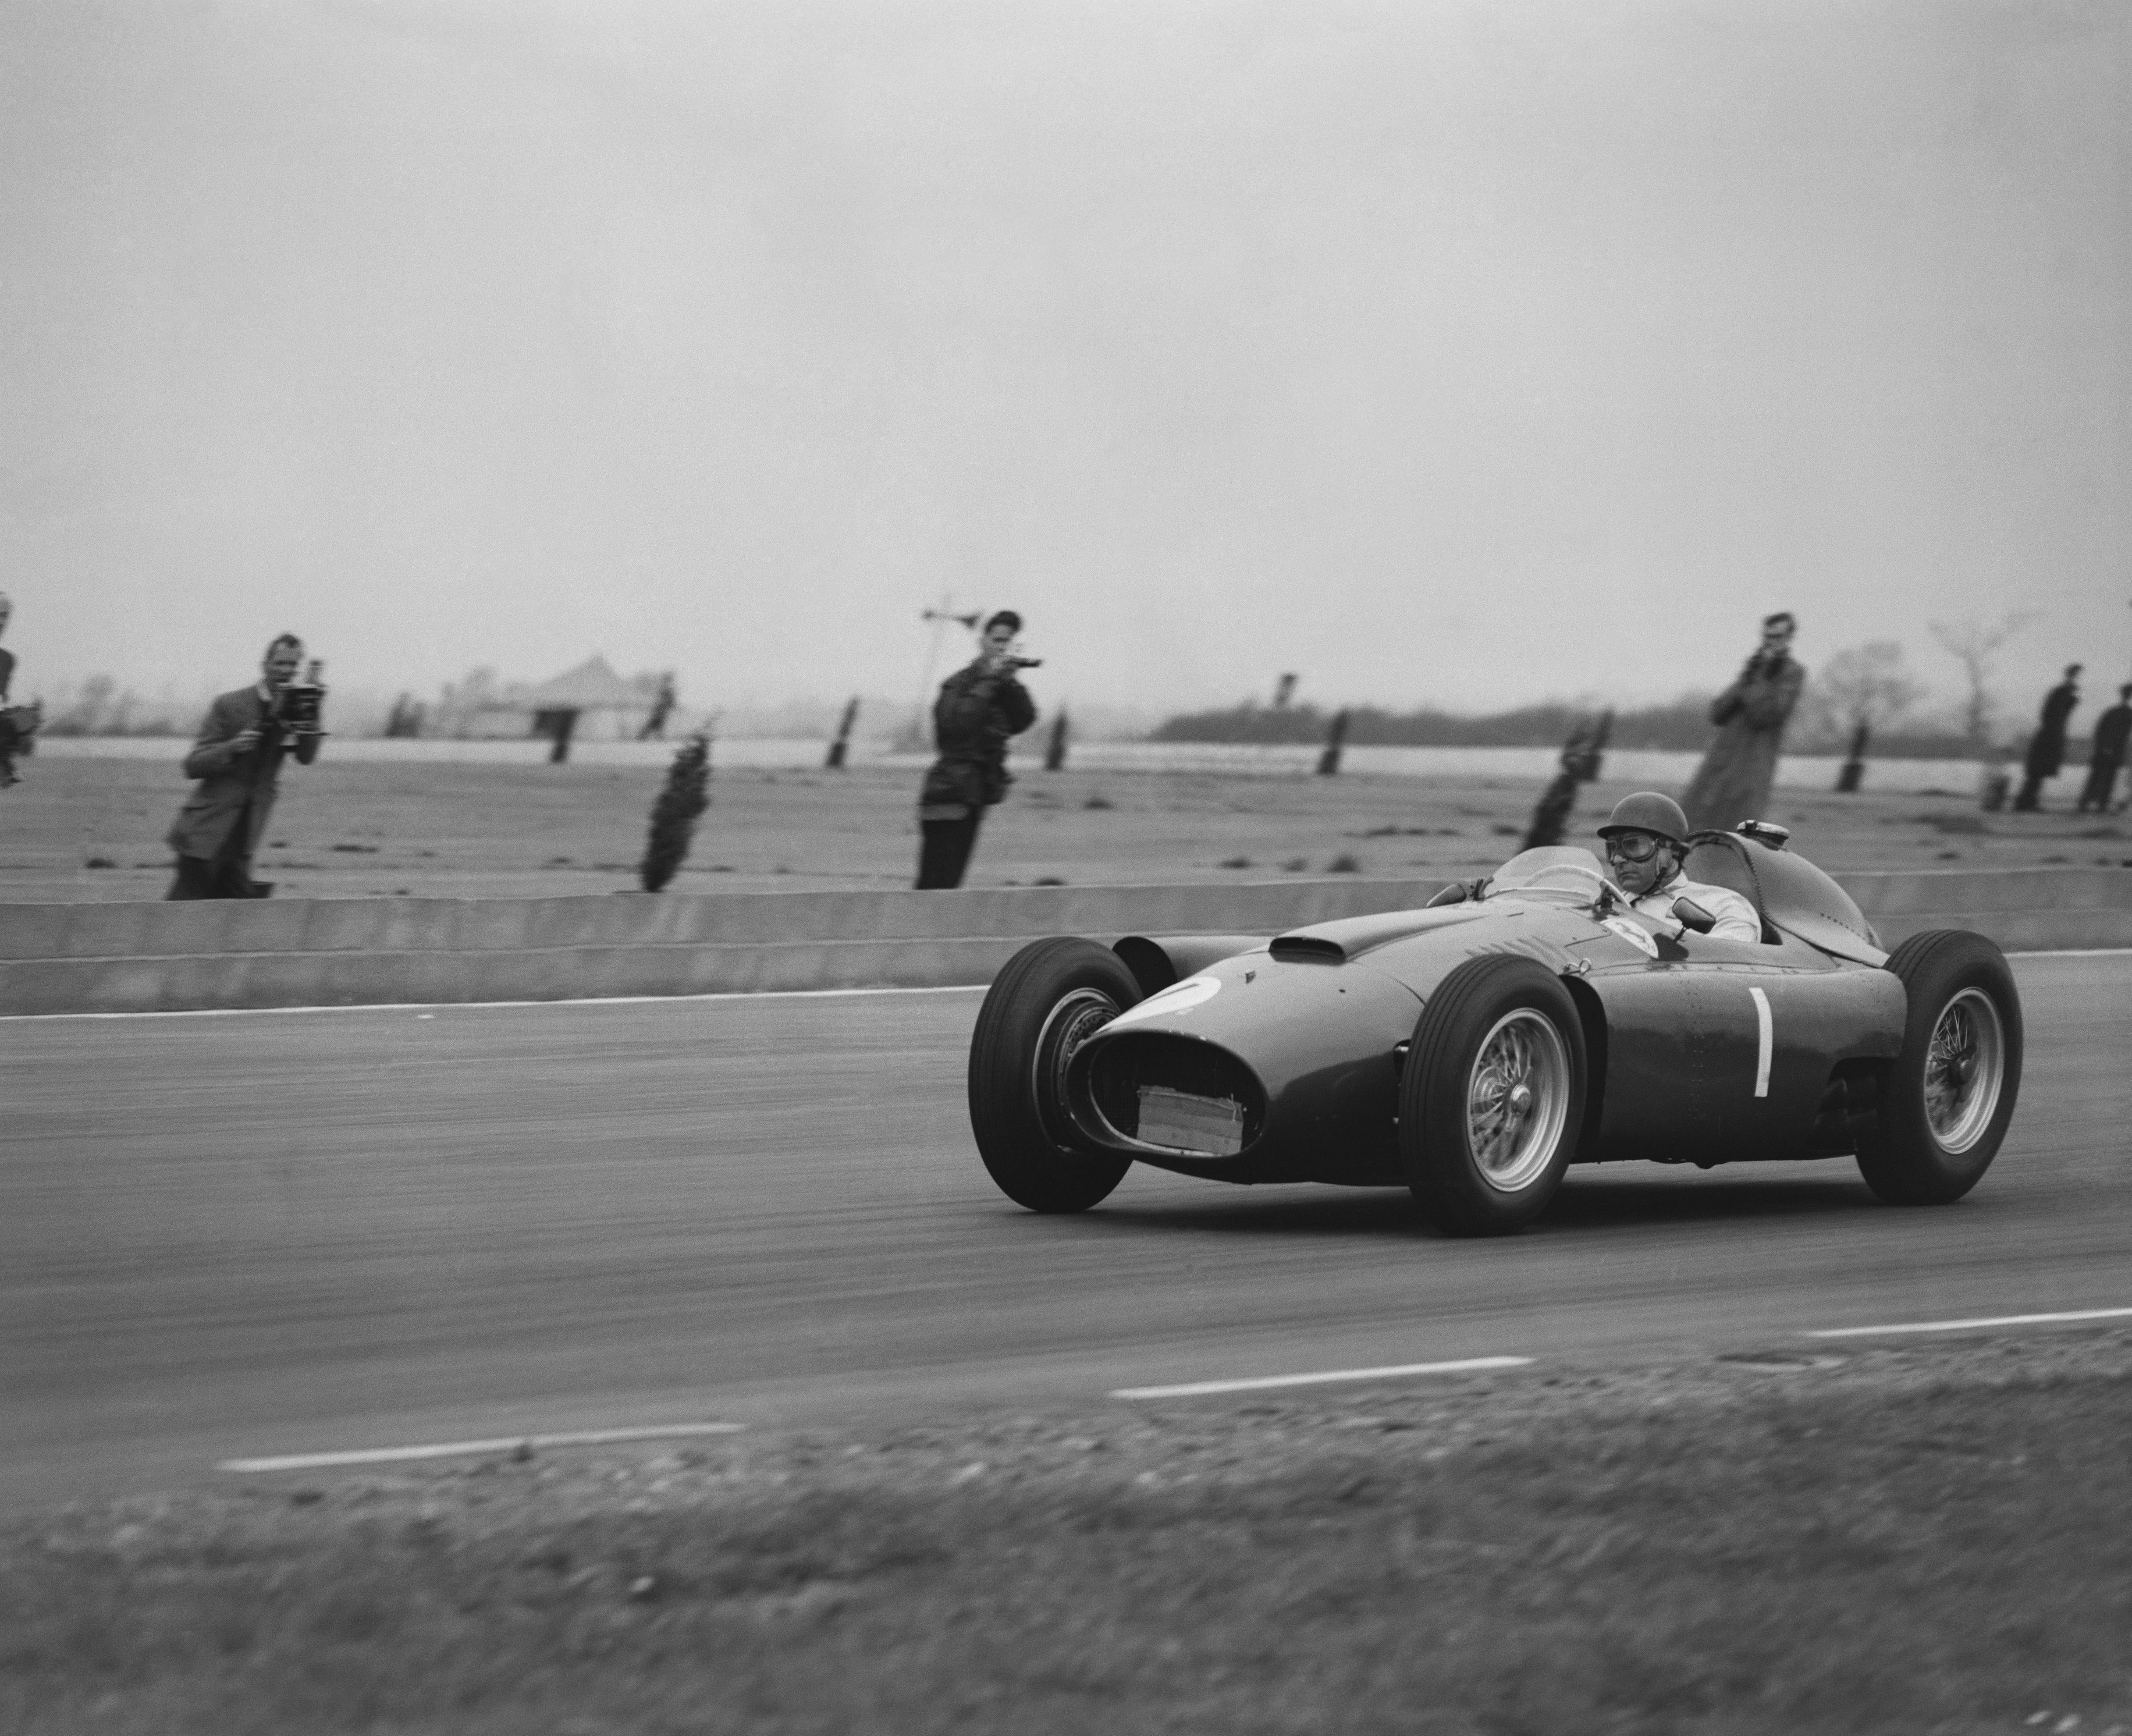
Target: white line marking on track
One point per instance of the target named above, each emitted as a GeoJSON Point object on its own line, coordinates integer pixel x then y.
{"type": "Point", "coordinates": [463, 1449]}
{"type": "Point", "coordinates": [468, 1006]}
{"type": "Point", "coordinates": [1765, 1034]}
{"type": "Point", "coordinates": [1968, 1326]}
{"type": "Point", "coordinates": [1193, 1389]}
{"type": "Point", "coordinates": [2073, 953]}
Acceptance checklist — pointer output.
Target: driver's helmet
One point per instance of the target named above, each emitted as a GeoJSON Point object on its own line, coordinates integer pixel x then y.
{"type": "Point", "coordinates": [1647, 811]}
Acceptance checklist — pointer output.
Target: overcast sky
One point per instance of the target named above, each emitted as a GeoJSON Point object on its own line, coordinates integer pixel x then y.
{"type": "Point", "coordinates": [1460, 354]}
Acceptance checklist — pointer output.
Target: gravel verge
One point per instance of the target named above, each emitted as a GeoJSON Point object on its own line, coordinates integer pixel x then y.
{"type": "Point", "coordinates": [1917, 1536]}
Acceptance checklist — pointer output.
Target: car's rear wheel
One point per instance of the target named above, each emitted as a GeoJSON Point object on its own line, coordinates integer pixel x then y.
{"type": "Point", "coordinates": [1491, 1097]}
{"type": "Point", "coordinates": [1053, 995]}
{"type": "Point", "coordinates": [1949, 1095]}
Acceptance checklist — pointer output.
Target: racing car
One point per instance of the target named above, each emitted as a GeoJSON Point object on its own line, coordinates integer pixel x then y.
{"type": "Point", "coordinates": [1472, 1050]}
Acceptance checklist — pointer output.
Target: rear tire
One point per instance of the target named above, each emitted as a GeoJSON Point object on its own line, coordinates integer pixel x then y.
{"type": "Point", "coordinates": [1947, 1098]}
{"type": "Point", "coordinates": [1492, 1096]}
{"type": "Point", "coordinates": [1051, 997]}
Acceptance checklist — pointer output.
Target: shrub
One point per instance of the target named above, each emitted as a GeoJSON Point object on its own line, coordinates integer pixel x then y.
{"type": "Point", "coordinates": [674, 815]}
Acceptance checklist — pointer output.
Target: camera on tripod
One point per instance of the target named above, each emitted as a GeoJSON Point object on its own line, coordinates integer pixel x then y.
{"type": "Point", "coordinates": [299, 707]}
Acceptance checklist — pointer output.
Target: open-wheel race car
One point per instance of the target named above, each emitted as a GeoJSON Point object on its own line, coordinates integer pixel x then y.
{"type": "Point", "coordinates": [1474, 1049]}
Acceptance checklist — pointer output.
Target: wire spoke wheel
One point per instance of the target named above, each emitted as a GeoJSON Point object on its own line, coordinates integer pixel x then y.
{"type": "Point", "coordinates": [1949, 1094]}
{"type": "Point", "coordinates": [1517, 1100]}
{"type": "Point", "coordinates": [1077, 1018]}
{"type": "Point", "coordinates": [1491, 1098]}
{"type": "Point", "coordinates": [1965, 1067]}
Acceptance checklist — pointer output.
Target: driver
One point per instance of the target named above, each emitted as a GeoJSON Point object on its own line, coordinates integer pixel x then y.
{"type": "Point", "coordinates": [1645, 848]}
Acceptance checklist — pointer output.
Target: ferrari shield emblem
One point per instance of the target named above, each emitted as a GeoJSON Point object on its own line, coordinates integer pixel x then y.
{"type": "Point", "coordinates": [1636, 936]}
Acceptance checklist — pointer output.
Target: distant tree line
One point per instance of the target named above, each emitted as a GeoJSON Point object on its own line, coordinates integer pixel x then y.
{"type": "Point", "coordinates": [1683, 725]}
{"type": "Point", "coordinates": [97, 705]}
{"type": "Point", "coordinates": [100, 707]}
{"type": "Point", "coordinates": [1867, 687]}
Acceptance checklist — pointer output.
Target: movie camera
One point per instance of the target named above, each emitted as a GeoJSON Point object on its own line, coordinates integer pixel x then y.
{"type": "Point", "coordinates": [301, 702]}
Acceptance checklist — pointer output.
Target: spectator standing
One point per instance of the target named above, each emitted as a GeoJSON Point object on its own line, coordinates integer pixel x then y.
{"type": "Point", "coordinates": [1733, 782]}
{"type": "Point", "coordinates": [979, 709]}
{"type": "Point", "coordinates": [18, 723]}
{"type": "Point", "coordinates": [2107, 754]}
{"type": "Point", "coordinates": [10, 740]}
{"type": "Point", "coordinates": [237, 761]}
{"type": "Point", "coordinates": [2047, 746]}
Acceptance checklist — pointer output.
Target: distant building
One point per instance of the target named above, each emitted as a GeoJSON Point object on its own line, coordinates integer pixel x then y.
{"type": "Point", "coordinates": [607, 707]}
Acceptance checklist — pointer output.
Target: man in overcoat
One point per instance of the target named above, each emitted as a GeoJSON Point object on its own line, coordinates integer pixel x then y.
{"type": "Point", "coordinates": [11, 736]}
{"type": "Point", "coordinates": [1733, 782]}
{"type": "Point", "coordinates": [2047, 746]}
{"type": "Point", "coordinates": [238, 760]}
{"type": "Point", "coordinates": [2106, 754]}
{"type": "Point", "coordinates": [979, 708]}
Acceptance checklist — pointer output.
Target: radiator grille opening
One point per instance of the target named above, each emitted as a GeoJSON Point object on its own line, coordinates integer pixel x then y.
{"type": "Point", "coordinates": [1176, 1094]}
{"type": "Point", "coordinates": [1184, 1122]}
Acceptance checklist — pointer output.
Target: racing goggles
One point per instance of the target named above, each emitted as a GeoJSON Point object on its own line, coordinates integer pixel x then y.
{"type": "Point", "coordinates": [1636, 846]}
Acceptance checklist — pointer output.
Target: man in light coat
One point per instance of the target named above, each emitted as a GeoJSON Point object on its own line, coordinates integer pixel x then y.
{"type": "Point", "coordinates": [238, 760]}
{"type": "Point", "coordinates": [1733, 782]}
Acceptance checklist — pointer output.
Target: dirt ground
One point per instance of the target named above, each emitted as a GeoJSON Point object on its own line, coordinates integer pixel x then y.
{"type": "Point", "coordinates": [82, 829]}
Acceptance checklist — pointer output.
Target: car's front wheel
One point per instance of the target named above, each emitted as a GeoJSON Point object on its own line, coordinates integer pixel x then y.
{"type": "Point", "coordinates": [1949, 1095]}
{"type": "Point", "coordinates": [1492, 1096]}
{"type": "Point", "coordinates": [1051, 996]}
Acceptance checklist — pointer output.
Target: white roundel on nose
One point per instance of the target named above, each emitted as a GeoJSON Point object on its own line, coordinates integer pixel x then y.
{"type": "Point", "coordinates": [1180, 997]}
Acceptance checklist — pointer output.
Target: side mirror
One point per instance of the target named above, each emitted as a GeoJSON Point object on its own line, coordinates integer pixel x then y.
{"type": "Point", "coordinates": [1689, 914]}
{"type": "Point", "coordinates": [1454, 894]}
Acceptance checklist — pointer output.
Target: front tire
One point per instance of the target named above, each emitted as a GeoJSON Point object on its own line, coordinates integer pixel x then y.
{"type": "Point", "coordinates": [1053, 995]}
{"type": "Point", "coordinates": [1947, 1099]}
{"type": "Point", "coordinates": [1492, 1096]}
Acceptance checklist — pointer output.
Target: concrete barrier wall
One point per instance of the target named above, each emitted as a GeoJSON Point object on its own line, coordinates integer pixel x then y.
{"type": "Point", "coordinates": [2023, 909]}
{"type": "Point", "coordinates": [153, 957]}
{"type": "Point", "coordinates": [155, 930]}
{"type": "Point", "coordinates": [357, 951]}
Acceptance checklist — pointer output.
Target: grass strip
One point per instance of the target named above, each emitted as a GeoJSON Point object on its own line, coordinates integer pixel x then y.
{"type": "Point", "coordinates": [1920, 1538]}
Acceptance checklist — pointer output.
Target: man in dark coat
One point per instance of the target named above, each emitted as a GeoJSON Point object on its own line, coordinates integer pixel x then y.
{"type": "Point", "coordinates": [238, 760]}
{"type": "Point", "coordinates": [10, 737]}
{"type": "Point", "coordinates": [2047, 746]}
{"type": "Point", "coordinates": [1733, 782]}
{"type": "Point", "coordinates": [2107, 753]}
{"type": "Point", "coordinates": [979, 708]}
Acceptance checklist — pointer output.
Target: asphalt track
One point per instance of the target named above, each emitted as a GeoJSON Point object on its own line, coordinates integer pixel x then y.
{"type": "Point", "coordinates": [234, 1235]}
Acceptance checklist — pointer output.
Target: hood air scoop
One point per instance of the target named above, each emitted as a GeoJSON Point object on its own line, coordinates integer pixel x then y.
{"type": "Point", "coordinates": [1350, 937]}
{"type": "Point", "coordinates": [1312, 948]}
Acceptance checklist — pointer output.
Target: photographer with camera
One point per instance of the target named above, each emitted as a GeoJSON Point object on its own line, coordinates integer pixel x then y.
{"type": "Point", "coordinates": [979, 708]}
{"type": "Point", "coordinates": [1733, 782]}
{"type": "Point", "coordinates": [238, 760]}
